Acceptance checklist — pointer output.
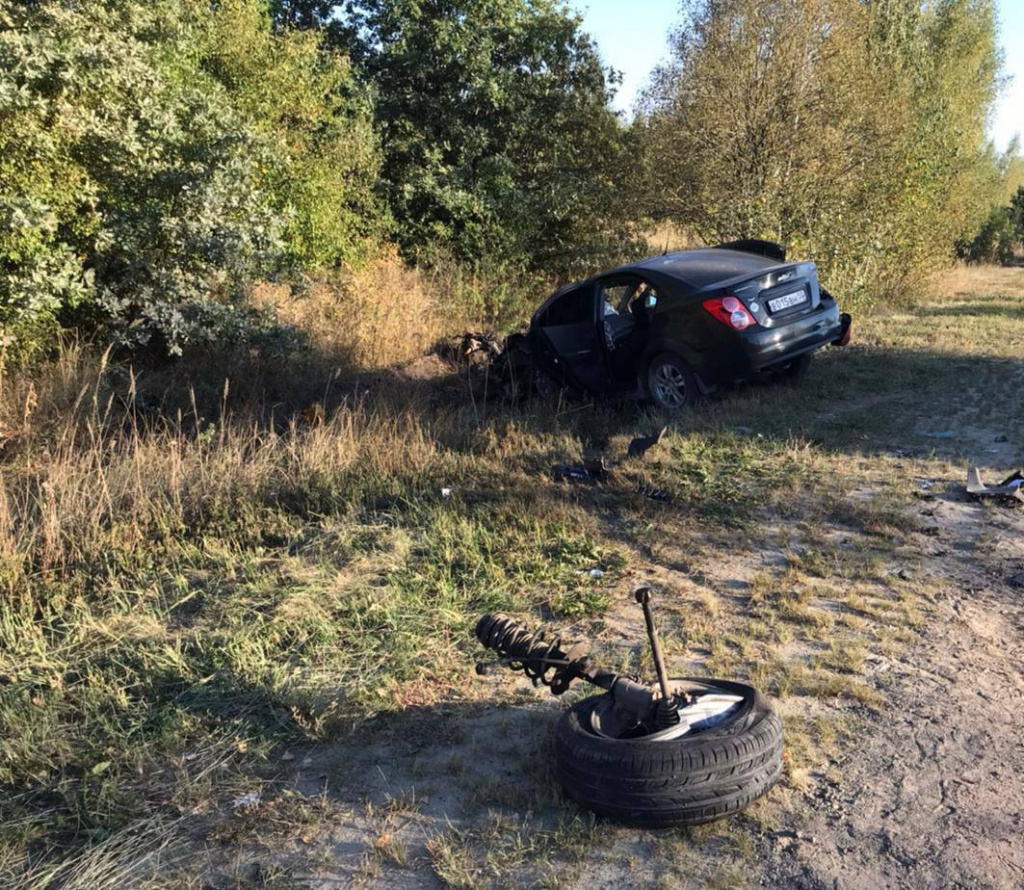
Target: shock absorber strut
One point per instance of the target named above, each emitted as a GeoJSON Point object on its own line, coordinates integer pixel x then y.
{"type": "Point", "coordinates": [667, 708]}
{"type": "Point", "coordinates": [542, 656]}
{"type": "Point", "coordinates": [539, 655]}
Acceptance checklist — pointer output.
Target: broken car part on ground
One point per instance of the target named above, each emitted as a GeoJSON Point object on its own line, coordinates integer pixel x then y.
{"type": "Point", "coordinates": [596, 468]}
{"type": "Point", "coordinates": [680, 753]}
{"type": "Point", "coordinates": [671, 328]}
{"type": "Point", "coordinates": [1011, 487]}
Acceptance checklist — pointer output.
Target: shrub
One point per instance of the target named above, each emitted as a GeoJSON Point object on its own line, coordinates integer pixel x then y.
{"type": "Point", "coordinates": [141, 187]}
{"type": "Point", "coordinates": [157, 158]}
{"type": "Point", "coordinates": [994, 242]}
{"type": "Point", "coordinates": [305, 99]}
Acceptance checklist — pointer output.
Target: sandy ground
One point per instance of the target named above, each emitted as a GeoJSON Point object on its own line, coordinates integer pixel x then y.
{"type": "Point", "coordinates": [933, 796]}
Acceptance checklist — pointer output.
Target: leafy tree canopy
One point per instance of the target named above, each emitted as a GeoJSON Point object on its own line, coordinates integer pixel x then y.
{"type": "Point", "coordinates": [156, 157]}
{"type": "Point", "coordinates": [497, 133]}
{"type": "Point", "coordinates": [853, 132]}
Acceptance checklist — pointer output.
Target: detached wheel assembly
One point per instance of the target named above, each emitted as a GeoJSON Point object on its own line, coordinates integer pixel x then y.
{"type": "Point", "coordinates": [684, 752]}
{"type": "Point", "coordinates": [725, 755]}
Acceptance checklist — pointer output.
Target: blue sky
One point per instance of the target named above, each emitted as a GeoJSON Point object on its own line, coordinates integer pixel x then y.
{"type": "Point", "coordinates": [633, 38]}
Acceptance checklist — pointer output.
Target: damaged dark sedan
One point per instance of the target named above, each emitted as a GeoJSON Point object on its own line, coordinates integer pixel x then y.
{"type": "Point", "coordinates": [672, 328]}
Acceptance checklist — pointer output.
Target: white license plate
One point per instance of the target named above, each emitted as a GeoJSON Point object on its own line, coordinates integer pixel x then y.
{"type": "Point", "coordinates": [787, 300]}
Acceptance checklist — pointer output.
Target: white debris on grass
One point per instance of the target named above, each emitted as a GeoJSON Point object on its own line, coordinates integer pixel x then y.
{"type": "Point", "coordinates": [247, 800]}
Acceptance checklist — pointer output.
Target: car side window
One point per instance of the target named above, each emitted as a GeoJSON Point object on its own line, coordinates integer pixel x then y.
{"type": "Point", "coordinates": [622, 296]}
{"type": "Point", "coordinates": [573, 307]}
{"type": "Point", "coordinates": [613, 298]}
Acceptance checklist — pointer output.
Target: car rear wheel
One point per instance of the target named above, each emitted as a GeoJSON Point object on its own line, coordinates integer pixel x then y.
{"type": "Point", "coordinates": [793, 371]}
{"type": "Point", "coordinates": [670, 383]}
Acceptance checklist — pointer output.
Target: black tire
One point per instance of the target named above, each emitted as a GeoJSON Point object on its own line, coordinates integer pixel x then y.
{"type": "Point", "coordinates": [670, 383]}
{"type": "Point", "coordinates": [544, 385]}
{"type": "Point", "coordinates": [793, 371]}
{"type": "Point", "coordinates": [686, 781]}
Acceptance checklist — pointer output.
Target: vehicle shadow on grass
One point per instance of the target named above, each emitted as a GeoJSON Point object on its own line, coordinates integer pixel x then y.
{"type": "Point", "coordinates": [863, 401]}
{"type": "Point", "coordinates": [859, 399]}
{"type": "Point", "coordinates": [866, 400]}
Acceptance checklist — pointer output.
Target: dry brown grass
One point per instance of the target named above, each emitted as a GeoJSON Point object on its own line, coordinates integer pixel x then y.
{"type": "Point", "coordinates": [382, 314]}
{"type": "Point", "coordinates": [962, 280]}
{"type": "Point", "coordinates": [666, 237]}
{"type": "Point", "coordinates": [186, 579]}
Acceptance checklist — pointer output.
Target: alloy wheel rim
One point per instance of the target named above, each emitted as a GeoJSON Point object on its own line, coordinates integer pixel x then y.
{"type": "Point", "coordinates": [704, 712]}
{"type": "Point", "coordinates": [670, 386]}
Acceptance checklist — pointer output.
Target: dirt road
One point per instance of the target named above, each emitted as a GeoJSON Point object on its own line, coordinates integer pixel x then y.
{"type": "Point", "coordinates": [932, 794]}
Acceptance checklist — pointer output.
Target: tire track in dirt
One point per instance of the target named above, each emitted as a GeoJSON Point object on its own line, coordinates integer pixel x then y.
{"type": "Point", "coordinates": [934, 795]}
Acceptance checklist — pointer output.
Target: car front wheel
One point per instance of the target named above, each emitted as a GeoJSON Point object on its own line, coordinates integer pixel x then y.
{"type": "Point", "coordinates": [670, 383]}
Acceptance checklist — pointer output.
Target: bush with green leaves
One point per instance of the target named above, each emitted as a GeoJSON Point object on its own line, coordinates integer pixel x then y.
{"type": "Point", "coordinates": [1016, 212]}
{"type": "Point", "coordinates": [1000, 234]}
{"type": "Point", "coordinates": [156, 158]}
{"type": "Point", "coordinates": [306, 100]}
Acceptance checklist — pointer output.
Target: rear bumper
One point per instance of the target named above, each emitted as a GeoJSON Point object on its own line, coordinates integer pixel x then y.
{"type": "Point", "coordinates": [764, 347]}
{"type": "Point", "coordinates": [845, 320]}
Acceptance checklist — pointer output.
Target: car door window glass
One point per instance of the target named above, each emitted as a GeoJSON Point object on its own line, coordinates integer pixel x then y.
{"type": "Point", "coordinates": [574, 307]}
{"type": "Point", "coordinates": [614, 298]}
{"type": "Point", "coordinates": [638, 295]}
{"type": "Point", "coordinates": [615, 324]}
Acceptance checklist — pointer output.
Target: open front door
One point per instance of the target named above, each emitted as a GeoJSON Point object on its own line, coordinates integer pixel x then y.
{"type": "Point", "coordinates": [569, 326]}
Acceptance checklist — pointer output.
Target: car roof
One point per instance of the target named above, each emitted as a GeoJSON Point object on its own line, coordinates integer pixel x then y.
{"type": "Point", "coordinates": [695, 269]}
{"type": "Point", "coordinates": [706, 266]}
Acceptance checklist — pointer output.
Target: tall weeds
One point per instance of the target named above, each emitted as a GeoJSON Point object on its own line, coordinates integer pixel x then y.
{"type": "Point", "coordinates": [215, 572]}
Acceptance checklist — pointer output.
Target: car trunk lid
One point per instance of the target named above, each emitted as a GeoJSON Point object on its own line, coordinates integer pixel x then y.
{"type": "Point", "coordinates": [780, 294]}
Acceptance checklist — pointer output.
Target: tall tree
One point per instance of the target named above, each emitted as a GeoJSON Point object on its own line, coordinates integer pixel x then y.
{"type": "Point", "coordinates": [957, 83]}
{"type": "Point", "coordinates": [852, 131]}
{"type": "Point", "coordinates": [497, 133]}
{"type": "Point", "coordinates": [302, 13]}
{"type": "Point", "coordinates": [769, 122]}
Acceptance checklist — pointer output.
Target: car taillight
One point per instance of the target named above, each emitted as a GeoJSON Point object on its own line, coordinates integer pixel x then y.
{"type": "Point", "coordinates": [730, 311]}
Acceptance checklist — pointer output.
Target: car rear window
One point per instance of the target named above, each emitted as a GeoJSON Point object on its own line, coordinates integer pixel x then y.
{"type": "Point", "coordinates": [701, 268]}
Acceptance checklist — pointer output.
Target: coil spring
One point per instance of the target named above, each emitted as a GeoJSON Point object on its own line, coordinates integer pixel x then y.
{"type": "Point", "coordinates": [535, 654]}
